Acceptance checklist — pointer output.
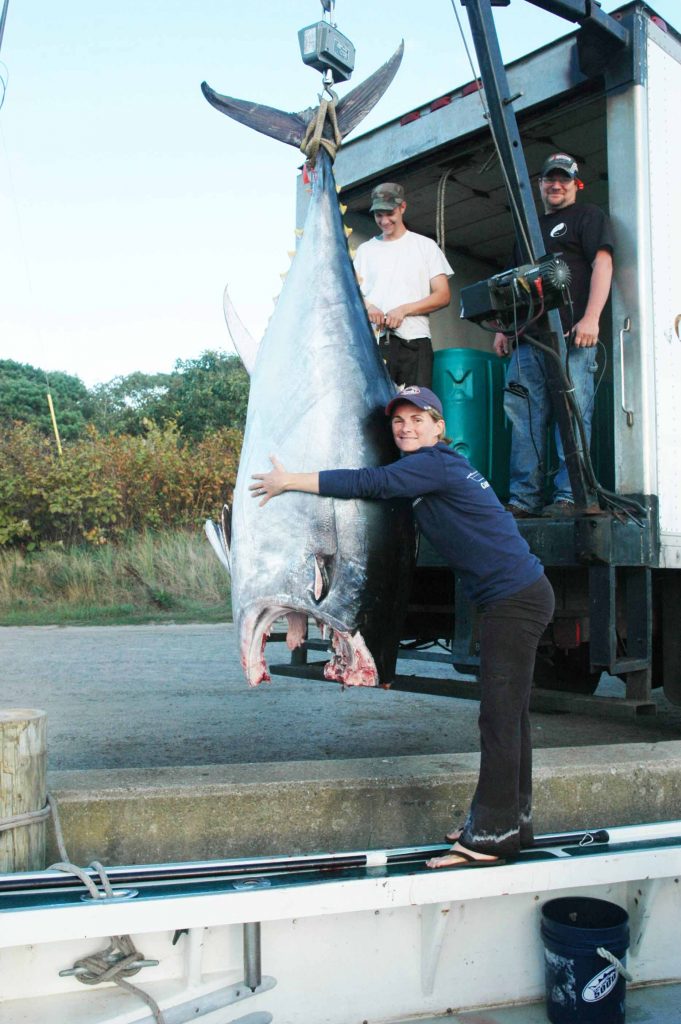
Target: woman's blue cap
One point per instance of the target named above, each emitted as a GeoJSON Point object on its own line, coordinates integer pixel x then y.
{"type": "Point", "coordinates": [424, 398]}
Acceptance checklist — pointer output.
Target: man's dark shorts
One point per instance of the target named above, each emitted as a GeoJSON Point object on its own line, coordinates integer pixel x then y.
{"type": "Point", "coordinates": [408, 361]}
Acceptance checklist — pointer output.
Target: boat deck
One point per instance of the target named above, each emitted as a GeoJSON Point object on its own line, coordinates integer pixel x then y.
{"type": "Point", "coordinates": [660, 1004]}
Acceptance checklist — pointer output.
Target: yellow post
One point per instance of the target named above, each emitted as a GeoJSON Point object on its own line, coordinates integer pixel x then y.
{"type": "Point", "coordinates": [54, 423]}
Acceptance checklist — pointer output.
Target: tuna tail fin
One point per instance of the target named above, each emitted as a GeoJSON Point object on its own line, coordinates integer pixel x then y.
{"type": "Point", "coordinates": [354, 107]}
{"type": "Point", "coordinates": [242, 339]}
{"type": "Point", "coordinates": [290, 128]}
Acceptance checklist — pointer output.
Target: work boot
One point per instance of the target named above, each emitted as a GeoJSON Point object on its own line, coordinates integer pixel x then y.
{"type": "Point", "coordinates": [560, 508]}
{"type": "Point", "coordinates": [519, 513]}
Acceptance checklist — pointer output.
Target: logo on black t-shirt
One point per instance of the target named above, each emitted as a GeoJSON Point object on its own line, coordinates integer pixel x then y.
{"type": "Point", "coordinates": [558, 230]}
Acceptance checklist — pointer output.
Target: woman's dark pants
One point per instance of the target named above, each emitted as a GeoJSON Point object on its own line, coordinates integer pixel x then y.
{"type": "Point", "coordinates": [500, 818]}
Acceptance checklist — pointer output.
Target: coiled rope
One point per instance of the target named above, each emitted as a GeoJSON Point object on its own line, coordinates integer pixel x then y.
{"type": "Point", "coordinates": [120, 959]}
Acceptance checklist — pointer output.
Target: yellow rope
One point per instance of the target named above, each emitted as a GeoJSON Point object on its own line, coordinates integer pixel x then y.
{"type": "Point", "coordinates": [313, 136]}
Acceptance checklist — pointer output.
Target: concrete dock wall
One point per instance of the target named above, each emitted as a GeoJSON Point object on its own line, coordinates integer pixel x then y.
{"type": "Point", "coordinates": [132, 816]}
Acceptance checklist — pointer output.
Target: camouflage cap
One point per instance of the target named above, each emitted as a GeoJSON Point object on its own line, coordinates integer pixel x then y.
{"type": "Point", "coordinates": [560, 162]}
{"type": "Point", "coordinates": [386, 196]}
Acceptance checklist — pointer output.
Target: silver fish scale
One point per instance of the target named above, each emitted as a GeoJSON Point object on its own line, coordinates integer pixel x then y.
{"type": "Point", "coordinates": [317, 398]}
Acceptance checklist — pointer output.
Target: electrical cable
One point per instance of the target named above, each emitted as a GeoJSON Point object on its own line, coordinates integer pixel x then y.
{"type": "Point", "coordinates": [520, 226]}
{"type": "Point", "coordinates": [623, 505]}
{"type": "Point", "coordinates": [601, 375]}
{"type": "Point", "coordinates": [4, 82]}
{"type": "Point", "coordinates": [520, 391]}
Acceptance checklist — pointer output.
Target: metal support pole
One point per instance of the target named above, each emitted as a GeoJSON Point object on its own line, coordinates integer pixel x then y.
{"type": "Point", "coordinates": [504, 127]}
{"type": "Point", "coordinates": [252, 957]}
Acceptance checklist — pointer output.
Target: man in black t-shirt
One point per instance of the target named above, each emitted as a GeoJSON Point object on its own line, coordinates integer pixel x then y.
{"type": "Point", "coordinates": [583, 236]}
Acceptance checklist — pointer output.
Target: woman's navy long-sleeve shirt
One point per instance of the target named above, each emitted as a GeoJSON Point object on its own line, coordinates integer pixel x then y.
{"type": "Point", "coordinates": [457, 510]}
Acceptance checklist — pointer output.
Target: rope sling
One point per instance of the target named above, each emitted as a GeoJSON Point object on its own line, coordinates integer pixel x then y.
{"type": "Point", "coordinates": [313, 138]}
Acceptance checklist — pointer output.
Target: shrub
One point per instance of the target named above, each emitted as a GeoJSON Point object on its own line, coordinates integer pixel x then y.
{"type": "Point", "coordinates": [104, 486]}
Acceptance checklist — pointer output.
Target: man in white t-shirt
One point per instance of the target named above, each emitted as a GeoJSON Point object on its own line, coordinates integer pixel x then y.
{"type": "Point", "coordinates": [403, 277]}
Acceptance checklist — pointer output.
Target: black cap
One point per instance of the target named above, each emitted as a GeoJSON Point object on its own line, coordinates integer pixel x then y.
{"type": "Point", "coordinates": [561, 162]}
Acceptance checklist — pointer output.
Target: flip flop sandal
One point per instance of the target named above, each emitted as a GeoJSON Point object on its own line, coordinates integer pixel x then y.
{"type": "Point", "coordinates": [469, 861]}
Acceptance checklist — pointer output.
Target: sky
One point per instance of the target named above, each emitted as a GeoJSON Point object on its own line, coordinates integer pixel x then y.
{"type": "Point", "coordinates": [127, 202]}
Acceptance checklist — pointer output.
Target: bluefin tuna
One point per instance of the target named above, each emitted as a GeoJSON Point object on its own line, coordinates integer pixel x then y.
{"type": "Point", "coordinates": [317, 398]}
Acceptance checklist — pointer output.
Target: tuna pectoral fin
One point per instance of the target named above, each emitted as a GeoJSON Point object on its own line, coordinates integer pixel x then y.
{"type": "Point", "coordinates": [218, 543]}
{"type": "Point", "coordinates": [243, 341]}
{"type": "Point", "coordinates": [321, 568]}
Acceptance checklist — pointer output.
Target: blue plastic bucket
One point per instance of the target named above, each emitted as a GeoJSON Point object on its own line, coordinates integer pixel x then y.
{"type": "Point", "coordinates": [581, 986]}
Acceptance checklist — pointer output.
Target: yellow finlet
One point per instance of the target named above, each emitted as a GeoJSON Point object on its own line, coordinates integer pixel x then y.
{"type": "Point", "coordinates": [299, 232]}
{"type": "Point", "coordinates": [343, 208]}
{"type": "Point", "coordinates": [347, 230]}
{"type": "Point", "coordinates": [291, 253]}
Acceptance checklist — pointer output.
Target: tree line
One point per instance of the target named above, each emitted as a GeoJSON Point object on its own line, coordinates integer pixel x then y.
{"type": "Point", "coordinates": [198, 397]}
{"type": "Point", "coordinates": [145, 451]}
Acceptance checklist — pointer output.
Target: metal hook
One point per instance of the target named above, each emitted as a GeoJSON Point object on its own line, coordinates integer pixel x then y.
{"type": "Point", "coordinates": [327, 86]}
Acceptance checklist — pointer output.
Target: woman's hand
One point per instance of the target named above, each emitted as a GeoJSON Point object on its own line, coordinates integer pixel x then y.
{"type": "Point", "coordinates": [269, 485]}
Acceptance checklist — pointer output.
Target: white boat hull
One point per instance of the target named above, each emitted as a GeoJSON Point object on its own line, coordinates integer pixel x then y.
{"type": "Point", "coordinates": [379, 946]}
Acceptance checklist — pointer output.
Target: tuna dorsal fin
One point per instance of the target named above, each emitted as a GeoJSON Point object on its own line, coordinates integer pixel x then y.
{"type": "Point", "coordinates": [291, 127]}
{"type": "Point", "coordinates": [243, 341]}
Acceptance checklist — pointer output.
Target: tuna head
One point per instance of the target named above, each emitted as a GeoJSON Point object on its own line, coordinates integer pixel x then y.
{"type": "Point", "coordinates": [317, 399]}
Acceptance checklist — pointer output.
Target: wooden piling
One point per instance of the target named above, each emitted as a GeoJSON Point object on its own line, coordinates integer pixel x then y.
{"type": "Point", "coordinates": [23, 787]}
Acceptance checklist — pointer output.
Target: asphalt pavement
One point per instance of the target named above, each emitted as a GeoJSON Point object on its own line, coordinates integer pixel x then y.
{"type": "Point", "coordinates": [156, 696]}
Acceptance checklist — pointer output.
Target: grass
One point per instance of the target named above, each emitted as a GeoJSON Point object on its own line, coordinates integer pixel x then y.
{"type": "Point", "coordinates": [164, 577]}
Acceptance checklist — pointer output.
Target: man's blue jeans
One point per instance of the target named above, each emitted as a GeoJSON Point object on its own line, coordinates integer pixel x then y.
{"type": "Point", "coordinates": [530, 417]}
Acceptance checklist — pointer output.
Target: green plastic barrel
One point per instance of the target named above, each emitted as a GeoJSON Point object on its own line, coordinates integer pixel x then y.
{"type": "Point", "coordinates": [470, 385]}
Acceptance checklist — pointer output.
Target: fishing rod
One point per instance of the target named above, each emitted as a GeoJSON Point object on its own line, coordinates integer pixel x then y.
{"type": "Point", "coordinates": [263, 872]}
